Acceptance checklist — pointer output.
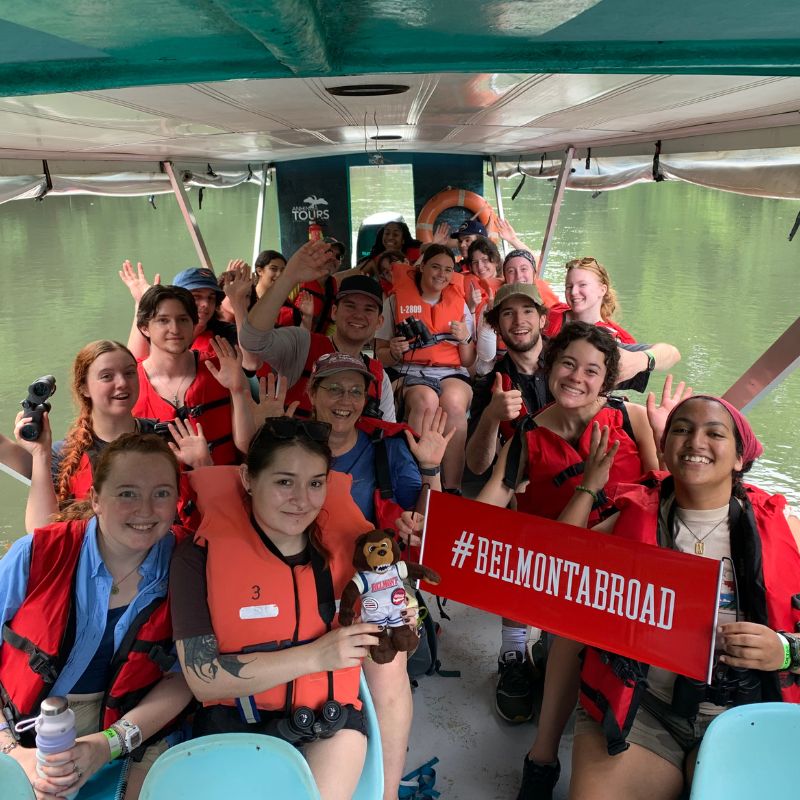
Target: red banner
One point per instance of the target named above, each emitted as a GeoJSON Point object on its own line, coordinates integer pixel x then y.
{"type": "Point", "coordinates": [651, 604]}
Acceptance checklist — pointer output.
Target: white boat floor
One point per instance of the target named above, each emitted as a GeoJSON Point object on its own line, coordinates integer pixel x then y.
{"type": "Point", "coordinates": [480, 755]}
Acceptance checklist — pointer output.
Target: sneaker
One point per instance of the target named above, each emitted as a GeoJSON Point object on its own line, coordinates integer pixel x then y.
{"type": "Point", "coordinates": [538, 780]}
{"type": "Point", "coordinates": [514, 695]}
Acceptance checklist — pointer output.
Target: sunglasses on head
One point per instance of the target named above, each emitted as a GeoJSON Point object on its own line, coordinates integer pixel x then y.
{"type": "Point", "coordinates": [289, 428]}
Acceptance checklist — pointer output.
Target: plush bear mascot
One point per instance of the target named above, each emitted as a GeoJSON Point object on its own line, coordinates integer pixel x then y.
{"type": "Point", "coordinates": [379, 583]}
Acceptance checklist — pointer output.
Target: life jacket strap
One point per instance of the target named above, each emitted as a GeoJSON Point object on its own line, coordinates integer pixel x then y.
{"type": "Point", "coordinates": [42, 663]}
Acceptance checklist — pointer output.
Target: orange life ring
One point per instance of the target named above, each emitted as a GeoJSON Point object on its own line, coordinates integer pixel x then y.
{"type": "Point", "coordinates": [452, 198]}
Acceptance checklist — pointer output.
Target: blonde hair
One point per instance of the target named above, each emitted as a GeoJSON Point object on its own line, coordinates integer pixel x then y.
{"type": "Point", "coordinates": [609, 304]}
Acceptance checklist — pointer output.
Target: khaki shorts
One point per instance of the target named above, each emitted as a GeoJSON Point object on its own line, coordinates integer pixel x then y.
{"type": "Point", "coordinates": [657, 728]}
{"type": "Point", "coordinates": [87, 719]}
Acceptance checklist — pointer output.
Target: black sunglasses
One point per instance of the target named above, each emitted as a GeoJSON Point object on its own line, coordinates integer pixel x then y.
{"type": "Point", "coordinates": [289, 428]}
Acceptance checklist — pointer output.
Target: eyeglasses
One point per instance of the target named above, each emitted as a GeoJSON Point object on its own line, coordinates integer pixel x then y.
{"type": "Point", "coordinates": [338, 392]}
{"type": "Point", "coordinates": [289, 428]}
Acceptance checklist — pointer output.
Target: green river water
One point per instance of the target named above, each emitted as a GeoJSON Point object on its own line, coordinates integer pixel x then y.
{"type": "Point", "coordinates": [710, 272]}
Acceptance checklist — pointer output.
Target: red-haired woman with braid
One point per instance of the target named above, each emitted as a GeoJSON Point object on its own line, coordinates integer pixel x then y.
{"type": "Point", "coordinates": [105, 387]}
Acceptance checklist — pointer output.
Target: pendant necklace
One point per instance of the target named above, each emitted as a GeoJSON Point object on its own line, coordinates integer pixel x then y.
{"type": "Point", "coordinates": [699, 547]}
{"type": "Point", "coordinates": [115, 584]}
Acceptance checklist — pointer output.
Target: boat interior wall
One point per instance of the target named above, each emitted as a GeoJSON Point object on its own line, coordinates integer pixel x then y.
{"type": "Point", "coordinates": [760, 173]}
{"type": "Point", "coordinates": [317, 190]}
{"type": "Point", "coordinates": [78, 46]}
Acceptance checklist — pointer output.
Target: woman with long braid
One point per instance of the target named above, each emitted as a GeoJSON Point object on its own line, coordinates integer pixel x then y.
{"type": "Point", "coordinates": [105, 387]}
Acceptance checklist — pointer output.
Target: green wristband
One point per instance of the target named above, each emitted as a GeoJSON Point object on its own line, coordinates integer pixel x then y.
{"type": "Point", "coordinates": [588, 491]}
{"type": "Point", "coordinates": [114, 743]}
{"type": "Point", "coordinates": [787, 652]}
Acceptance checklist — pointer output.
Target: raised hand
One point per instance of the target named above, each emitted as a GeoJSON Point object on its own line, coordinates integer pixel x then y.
{"type": "Point", "coordinates": [505, 230]}
{"type": "Point", "coordinates": [657, 414]}
{"type": "Point", "coordinates": [272, 399]}
{"type": "Point", "coordinates": [441, 234]}
{"type": "Point", "coordinates": [433, 441]}
{"type": "Point", "coordinates": [237, 282]}
{"type": "Point", "coordinates": [229, 373]}
{"type": "Point", "coordinates": [135, 280]}
{"type": "Point", "coordinates": [43, 445]}
{"type": "Point", "coordinates": [314, 260]}
{"type": "Point", "coordinates": [597, 466]}
{"type": "Point", "coordinates": [474, 298]}
{"type": "Point", "coordinates": [190, 445]}
{"type": "Point", "coordinates": [305, 302]}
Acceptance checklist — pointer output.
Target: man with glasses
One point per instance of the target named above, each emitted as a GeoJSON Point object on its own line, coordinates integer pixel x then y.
{"type": "Point", "coordinates": [291, 352]}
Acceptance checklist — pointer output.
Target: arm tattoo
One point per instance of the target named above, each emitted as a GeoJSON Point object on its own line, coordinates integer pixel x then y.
{"type": "Point", "coordinates": [201, 654]}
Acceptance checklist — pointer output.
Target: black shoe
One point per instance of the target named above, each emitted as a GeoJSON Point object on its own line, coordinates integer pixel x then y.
{"type": "Point", "coordinates": [538, 780]}
{"type": "Point", "coordinates": [514, 694]}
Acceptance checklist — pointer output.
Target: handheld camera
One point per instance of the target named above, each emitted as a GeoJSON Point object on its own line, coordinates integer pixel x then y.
{"type": "Point", "coordinates": [35, 404]}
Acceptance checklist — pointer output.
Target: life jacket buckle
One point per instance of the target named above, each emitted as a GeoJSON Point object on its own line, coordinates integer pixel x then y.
{"type": "Point", "coordinates": [42, 665]}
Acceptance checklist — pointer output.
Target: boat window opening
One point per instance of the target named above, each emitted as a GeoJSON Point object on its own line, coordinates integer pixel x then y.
{"type": "Point", "coordinates": [378, 194]}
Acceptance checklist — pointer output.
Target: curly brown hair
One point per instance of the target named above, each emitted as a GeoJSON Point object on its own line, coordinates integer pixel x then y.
{"type": "Point", "coordinates": [595, 336]}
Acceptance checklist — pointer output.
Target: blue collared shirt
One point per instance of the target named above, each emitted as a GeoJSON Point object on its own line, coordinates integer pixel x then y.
{"type": "Point", "coordinates": [92, 591]}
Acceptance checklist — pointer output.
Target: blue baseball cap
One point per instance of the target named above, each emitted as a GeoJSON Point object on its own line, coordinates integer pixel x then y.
{"type": "Point", "coordinates": [198, 278]}
{"type": "Point", "coordinates": [472, 227]}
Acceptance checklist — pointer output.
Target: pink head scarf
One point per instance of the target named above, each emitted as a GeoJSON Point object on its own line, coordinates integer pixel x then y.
{"type": "Point", "coordinates": [751, 447]}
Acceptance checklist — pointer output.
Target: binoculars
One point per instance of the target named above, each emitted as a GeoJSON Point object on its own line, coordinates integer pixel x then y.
{"type": "Point", "coordinates": [303, 725]}
{"type": "Point", "coordinates": [730, 686]}
{"type": "Point", "coordinates": [34, 406]}
{"type": "Point", "coordinates": [416, 331]}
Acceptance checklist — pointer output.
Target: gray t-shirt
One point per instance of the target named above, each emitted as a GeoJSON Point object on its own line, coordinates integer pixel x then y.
{"type": "Point", "coordinates": [286, 350]}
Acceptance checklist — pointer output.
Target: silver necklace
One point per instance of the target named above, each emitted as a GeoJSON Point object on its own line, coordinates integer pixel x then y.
{"type": "Point", "coordinates": [699, 547]}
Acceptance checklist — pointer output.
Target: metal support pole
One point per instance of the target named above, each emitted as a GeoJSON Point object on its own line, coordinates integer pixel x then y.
{"type": "Point", "coordinates": [555, 208]}
{"type": "Point", "coordinates": [188, 215]}
{"type": "Point", "coordinates": [262, 199]}
{"type": "Point", "coordinates": [14, 474]}
{"type": "Point", "coordinates": [778, 361]}
{"type": "Point", "coordinates": [499, 198]}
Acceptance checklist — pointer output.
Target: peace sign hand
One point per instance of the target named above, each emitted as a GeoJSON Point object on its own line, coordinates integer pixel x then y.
{"type": "Point", "coordinates": [597, 467]}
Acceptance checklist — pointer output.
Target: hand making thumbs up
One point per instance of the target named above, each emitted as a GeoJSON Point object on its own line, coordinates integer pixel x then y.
{"type": "Point", "coordinates": [504, 405]}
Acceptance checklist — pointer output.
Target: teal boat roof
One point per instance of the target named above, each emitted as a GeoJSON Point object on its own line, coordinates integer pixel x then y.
{"type": "Point", "coordinates": [243, 81]}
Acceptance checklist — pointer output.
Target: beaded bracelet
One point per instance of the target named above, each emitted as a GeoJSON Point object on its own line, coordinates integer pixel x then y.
{"type": "Point", "coordinates": [588, 491]}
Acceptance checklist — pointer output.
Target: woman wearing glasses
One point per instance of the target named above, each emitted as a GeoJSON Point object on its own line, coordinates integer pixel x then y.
{"type": "Point", "coordinates": [590, 298]}
{"type": "Point", "coordinates": [253, 603]}
{"type": "Point", "coordinates": [362, 447]}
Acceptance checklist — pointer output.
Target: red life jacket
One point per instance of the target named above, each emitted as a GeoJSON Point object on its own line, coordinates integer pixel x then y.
{"type": "Point", "coordinates": [320, 346]}
{"type": "Point", "coordinates": [555, 467]}
{"type": "Point", "coordinates": [437, 317]}
{"type": "Point", "coordinates": [555, 322]}
{"type": "Point", "coordinates": [270, 605]}
{"type": "Point", "coordinates": [387, 511]}
{"type": "Point", "coordinates": [767, 564]}
{"type": "Point", "coordinates": [37, 641]}
{"type": "Point", "coordinates": [206, 401]}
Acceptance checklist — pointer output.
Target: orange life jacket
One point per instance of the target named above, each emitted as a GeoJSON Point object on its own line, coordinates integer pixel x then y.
{"type": "Point", "coordinates": [437, 317]}
{"type": "Point", "coordinates": [320, 346]}
{"type": "Point", "coordinates": [206, 401]}
{"type": "Point", "coordinates": [767, 564]}
{"type": "Point", "coordinates": [37, 641]}
{"type": "Point", "coordinates": [555, 467]}
{"type": "Point", "coordinates": [259, 603]}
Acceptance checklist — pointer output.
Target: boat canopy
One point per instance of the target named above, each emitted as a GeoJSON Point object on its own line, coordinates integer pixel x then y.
{"type": "Point", "coordinates": [235, 84]}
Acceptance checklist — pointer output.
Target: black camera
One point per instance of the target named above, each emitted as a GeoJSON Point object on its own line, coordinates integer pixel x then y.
{"type": "Point", "coordinates": [162, 429]}
{"type": "Point", "coordinates": [730, 686]}
{"type": "Point", "coordinates": [303, 725]}
{"type": "Point", "coordinates": [416, 331]}
{"type": "Point", "coordinates": [35, 404]}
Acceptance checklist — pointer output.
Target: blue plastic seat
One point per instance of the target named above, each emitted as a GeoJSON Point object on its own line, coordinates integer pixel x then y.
{"type": "Point", "coordinates": [230, 765]}
{"type": "Point", "coordinates": [254, 766]}
{"type": "Point", "coordinates": [13, 780]}
{"type": "Point", "coordinates": [747, 752]}
{"type": "Point", "coordinates": [370, 786]}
